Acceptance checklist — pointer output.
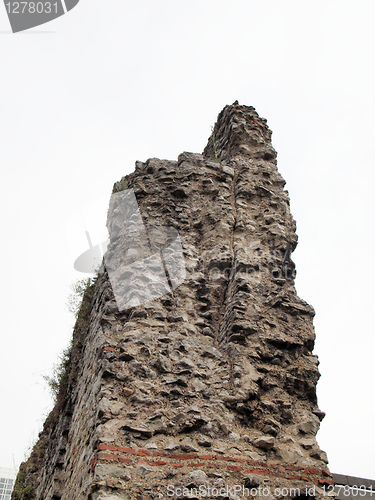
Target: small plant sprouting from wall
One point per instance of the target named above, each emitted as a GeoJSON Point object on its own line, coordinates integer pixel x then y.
{"type": "Point", "coordinates": [60, 383]}
{"type": "Point", "coordinates": [59, 377]}
{"type": "Point", "coordinates": [79, 288]}
{"type": "Point", "coordinates": [215, 151]}
{"type": "Point", "coordinates": [22, 490]}
{"type": "Point", "coordinates": [79, 304]}
{"type": "Point", "coordinates": [121, 185]}
{"type": "Point", "coordinates": [25, 484]}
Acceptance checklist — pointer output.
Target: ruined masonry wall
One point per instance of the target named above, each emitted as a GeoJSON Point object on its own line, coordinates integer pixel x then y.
{"type": "Point", "coordinates": [215, 383]}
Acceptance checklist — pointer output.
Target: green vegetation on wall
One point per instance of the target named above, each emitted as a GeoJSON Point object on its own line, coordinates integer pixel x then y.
{"type": "Point", "coordinates": [60, 383]}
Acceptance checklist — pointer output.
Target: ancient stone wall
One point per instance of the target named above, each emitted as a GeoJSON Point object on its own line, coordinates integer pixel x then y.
{"type": "Point", "coordinates": [213, 383]}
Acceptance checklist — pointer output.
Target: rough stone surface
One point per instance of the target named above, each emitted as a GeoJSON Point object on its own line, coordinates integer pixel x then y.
{"type": "Point", "coordinates": [214, 383]}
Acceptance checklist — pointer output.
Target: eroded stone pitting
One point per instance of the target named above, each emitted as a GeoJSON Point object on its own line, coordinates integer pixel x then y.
{"type": "Point", "coordinates": [217, 376]}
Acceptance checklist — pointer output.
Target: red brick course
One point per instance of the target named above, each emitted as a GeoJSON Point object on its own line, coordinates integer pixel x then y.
{"type": "Point", "coordinates": [109, 447]}
{"type": "Point", "coordinates": [131, 451]}
{"type": "Point", "coordinates": [324, 481]}
{"type": "Point", "coordinates": [107, 456]}
{"type": "Point", "coordinates": [257, 471]}
{"type": "Point", "coordinates": [143, 453]}
{"type": "Point", "coordinates": [310, 470]}
{"type": "Point", "coordinates": [183, 456]}
{"type": "Point", "coordinates": [234, 467]}
{"type": "Point", "coordinates": [306, 474]}
{"type": "Point", "coordinates": [254, 462]}
{"type": "Point", "coordinates": [228, 459]}
{"type": "Point", "coordinates": [277, 466]}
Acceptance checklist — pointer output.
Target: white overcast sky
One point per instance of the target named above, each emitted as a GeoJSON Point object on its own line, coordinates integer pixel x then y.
{"type": "Point", "coordinates": [83, 97]}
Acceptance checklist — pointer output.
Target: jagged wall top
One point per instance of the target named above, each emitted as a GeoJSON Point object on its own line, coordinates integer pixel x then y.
{"type": "Point", "coordinates": [240, 130]}
{"type": "Point", "coordinates": [213, 380]}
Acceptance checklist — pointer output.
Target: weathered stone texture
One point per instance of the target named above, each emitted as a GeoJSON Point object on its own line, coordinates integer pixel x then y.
{"type": "Point", "coordinates": [214, 383]}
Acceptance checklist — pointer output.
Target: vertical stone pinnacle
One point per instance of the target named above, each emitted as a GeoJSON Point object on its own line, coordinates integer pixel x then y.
{"type": "Point", "coordinates": [240, 130]}
{"type": "Point", "coordinates": [193, 361]}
